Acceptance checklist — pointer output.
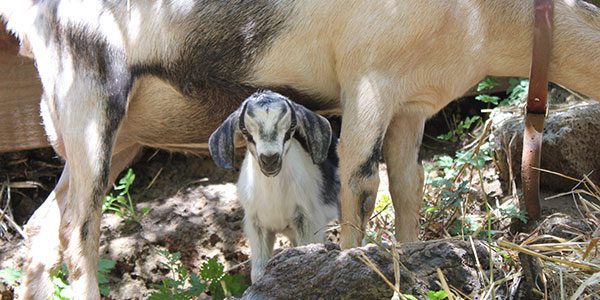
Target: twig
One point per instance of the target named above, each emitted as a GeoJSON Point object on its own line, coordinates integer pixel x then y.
{"type": "Point", "coordinates": [594, 279]}
{"type": "Point", "coordinates": [477, 263]}
{"type": "Point", "coordinates": [12, 223]}
{"type": "Point", "coordinates": [482, 138]}
{"type": "Point", "coordinates": [573, 93]}
{"type": "Point", "coordinates": [236, 266]}
{"type": "Point", "coordinates": [444, 284]}
{"type": "Point", "coordinates": [154, 179]}
{"type": "Point", "coordinates": [558, 174]}
{"type": "Point", "coordinates": [365, 259]}
{"type": "Point", "coordinates": [515, 247]}
{"type": "Point", "coordinates": [396, 265]}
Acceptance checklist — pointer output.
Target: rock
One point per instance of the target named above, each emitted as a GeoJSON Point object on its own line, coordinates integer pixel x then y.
{"type": "Point", "coordinates": [569, 147]}
{"type": "Point", "coordinates": [566, 226]}
{"type": "Point", "coordinates": [322, 271]}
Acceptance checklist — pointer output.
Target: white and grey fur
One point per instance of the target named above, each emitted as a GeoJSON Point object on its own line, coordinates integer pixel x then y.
{"type": "Point", "coordinates": [288, 181]}
{"type": "Point", "coordinates": [118, 75]}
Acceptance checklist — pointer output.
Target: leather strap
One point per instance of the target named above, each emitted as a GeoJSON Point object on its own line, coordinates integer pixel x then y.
{"type": "Point", "coordinates": [536, 106]}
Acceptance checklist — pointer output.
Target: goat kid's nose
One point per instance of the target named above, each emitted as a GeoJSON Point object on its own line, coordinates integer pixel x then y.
{"type": "Point", "coordinates": [269, 160]}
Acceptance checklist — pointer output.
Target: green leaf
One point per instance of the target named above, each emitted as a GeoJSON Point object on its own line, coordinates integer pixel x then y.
{"type": "Point", "coordinates": [216, 291]}
{"type": "Point", "coordinates": [105, 265]}
{"type": "Point", "coordinates": [162, 294]}
{"type": "Point", "coordinates": [487, 83]}
{"type": "Point", "coordinates": [66, 293]}
{"type": "Point", "coordinates": [126, 181]}
{"type": "Point", "coordinates": [175, 257]}
{"type": "Point", "coordinates": [211, 270]}
{"type": "Point", "coordinates": [384, 201]}
{"type": "Point", "coordinates": [10, 275]}
{"type": "Point", "coordinates": [410, 297]}
{"type": "Point", "coordinates": [446, 136]}
{"type": "Point", "coordinates": [488, 99]}
{"type": "Point", "coordinates": [439, 295]}
{"type": "Point", "coordinates": [145, 211]}
{"type": "Point", "coordinates": [171, 283]}
{"type": "Point", "coordinates": [104, 291]}
{"type": "Point", "coordinates": [234, 284]}
{"type": "Point", "coordinates": [197, 287]}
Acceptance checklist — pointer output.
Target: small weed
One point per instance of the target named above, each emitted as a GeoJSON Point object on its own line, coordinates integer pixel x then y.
{"type": "Point", "coordinates": [62, 289]}
{"type": "Point", "coordinates": [10, 275]}
{"type": "Point", "coordinates": [122, 204]}
{"type": "Point", "coordinates": [437, 295]}
{"type": "Point", "coordinates": [450, 177]}
{"type": "Point", "coordinates": [461, 130]}
{"type": "Point", "coordinates": [188, 285]}
{"type": "Point", "coordinates": [517, 91]}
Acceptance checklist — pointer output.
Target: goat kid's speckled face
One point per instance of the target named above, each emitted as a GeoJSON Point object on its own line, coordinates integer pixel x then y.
{"type": "Point", "coordinates": [268, 124]}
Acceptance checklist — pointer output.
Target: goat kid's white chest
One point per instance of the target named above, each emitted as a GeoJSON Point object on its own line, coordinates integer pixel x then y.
{"type": "Point", "coordinates": [274, 201]}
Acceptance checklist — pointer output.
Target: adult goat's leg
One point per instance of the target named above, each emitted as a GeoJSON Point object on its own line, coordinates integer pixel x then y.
{"type": "Point", "coordinates": [365, 120]}
{"type": "Point", "coordinates": [401, 150]}
{"type": "Point", "coordinates": [43, 229]}
{"type": "Point", "coordinates": [44, 253]}
{"type": "Point", "coordinates": [89, 120]}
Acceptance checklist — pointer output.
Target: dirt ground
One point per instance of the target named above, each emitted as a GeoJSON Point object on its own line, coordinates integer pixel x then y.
{"type": "Point", "coordinates": [194, 211]}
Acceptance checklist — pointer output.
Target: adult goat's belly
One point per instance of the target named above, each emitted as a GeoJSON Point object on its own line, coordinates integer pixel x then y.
{"type": "Point", "coordinates": [160, 116]}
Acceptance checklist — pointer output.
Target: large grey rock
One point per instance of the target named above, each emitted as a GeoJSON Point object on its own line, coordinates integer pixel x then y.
{"type": "Point", "coordinates": [324, 272]}
{"type": "Point", "coordinates": [570, 144]}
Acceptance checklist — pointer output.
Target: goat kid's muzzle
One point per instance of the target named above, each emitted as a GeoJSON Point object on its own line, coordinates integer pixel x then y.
{"type": "Point", "coordinates": [270, 165]}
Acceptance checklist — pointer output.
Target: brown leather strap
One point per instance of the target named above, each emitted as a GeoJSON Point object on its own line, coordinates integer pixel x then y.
{"type": "Point", "coordinates": [536, 106]}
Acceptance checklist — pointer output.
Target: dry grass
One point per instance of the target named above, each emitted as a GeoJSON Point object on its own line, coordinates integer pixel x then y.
{"type": "Point", "coordinates": [564, 268]}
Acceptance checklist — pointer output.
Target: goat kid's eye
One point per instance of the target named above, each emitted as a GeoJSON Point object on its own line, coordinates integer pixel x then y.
{"type": "Point", "coordinates": [288, 134]}
{"type": "Point", "coordinates": [247, 135]}
{"type": "Point", "coordinates": [249, 138]}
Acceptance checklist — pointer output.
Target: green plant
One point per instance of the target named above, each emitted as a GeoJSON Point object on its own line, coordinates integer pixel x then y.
{"type": "Point", "coordinates": [461, 130]}
{"type": "Point", "coordinates": [188, 285]}
{"type": "Point", "coordinates": [122, 204]}
{"type": "Point", "coordinates": [62, 289]}
{"type": "Point", "coordinates": [437, 295]}
{"type": "Point", "coordinates": [487, 83]}
{"type": "Point", "coordinates": [516, 92]}
{"type": "Point", "coordinates": [104, 268]}
{"type": "Point", "coordinates": [450, 176]}
{"type": "Point", "coordinates": [10, 275]}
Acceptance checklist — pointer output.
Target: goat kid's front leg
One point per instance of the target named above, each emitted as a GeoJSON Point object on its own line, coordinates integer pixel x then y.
{"type": "Point", "coordinates": [405, 173]}
{"type": "Point", "coordinates": [308, 229]}
{"type": "Point", "coordinates": [365, 121]}
{"type": "Point", "coordinates": [261, 245]}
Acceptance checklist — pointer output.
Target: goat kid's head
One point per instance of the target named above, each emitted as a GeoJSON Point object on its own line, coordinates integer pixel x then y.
{"type": "Point", "coordinates": [267, 121]}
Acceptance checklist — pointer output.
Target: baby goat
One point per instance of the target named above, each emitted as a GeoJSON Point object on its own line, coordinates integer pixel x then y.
{"type": "Point", "coordinates": [288, 182]}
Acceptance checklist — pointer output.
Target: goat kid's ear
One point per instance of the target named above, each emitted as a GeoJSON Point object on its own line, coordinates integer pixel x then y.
{"type": "Point", "coordinates": [221, 143]}
{"type": "Point", "coordinates": [317, 132]}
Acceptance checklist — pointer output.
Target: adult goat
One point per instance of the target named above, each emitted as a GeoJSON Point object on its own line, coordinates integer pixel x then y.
{"type": "Point", "coordinates": [120, 74]}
